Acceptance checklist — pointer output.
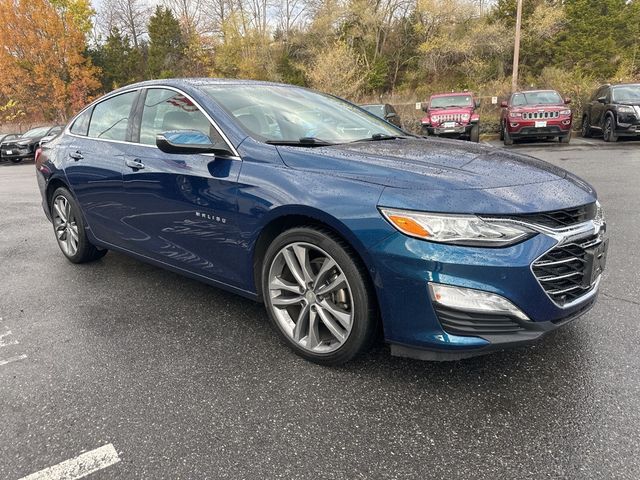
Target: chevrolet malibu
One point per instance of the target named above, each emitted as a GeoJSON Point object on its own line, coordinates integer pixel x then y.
{"type": "Point", "coordinates": [344, 226]}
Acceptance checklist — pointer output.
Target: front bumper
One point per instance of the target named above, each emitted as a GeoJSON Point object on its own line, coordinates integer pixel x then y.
{"type": "Point", "coordinates": [457, 131]}
{"type": "Point", "coordinates": [519, 128]}
{"type": "Point", "coordinates": [16, 153]}
{"type": "Point", "coordinates": [415, 327]}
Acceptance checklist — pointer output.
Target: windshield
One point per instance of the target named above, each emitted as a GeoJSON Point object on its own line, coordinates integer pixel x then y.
{"type": "Point", "coordinates": [626, 93]}
{"type": "Point", "coordinates": [451, 101]}
{"type": "Point", "coordinates": [377, 110]}
{"type": "Point", "coordinates": [274, 113]}
{"type": "Point", "coordinates": [36, 132]}
{"type": "Point", "coordinates": [536, 98]}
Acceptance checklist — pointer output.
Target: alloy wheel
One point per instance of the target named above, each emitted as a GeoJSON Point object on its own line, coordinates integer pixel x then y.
{"type": "Point", "coordinates": [65, 225]}
{"type": "Point", "coordinates": [310, 297]}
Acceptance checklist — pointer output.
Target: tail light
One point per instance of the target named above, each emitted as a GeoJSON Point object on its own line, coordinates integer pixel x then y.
{"type": "Point", "coordinates": [38, 153]}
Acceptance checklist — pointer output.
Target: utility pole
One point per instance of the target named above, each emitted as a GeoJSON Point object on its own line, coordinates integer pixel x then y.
{"type": "Point", "coordinates": [516, 48]}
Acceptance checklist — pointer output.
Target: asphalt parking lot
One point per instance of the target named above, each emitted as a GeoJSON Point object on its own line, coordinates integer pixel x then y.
{"type": "Point", "coordinates": [186, 381]}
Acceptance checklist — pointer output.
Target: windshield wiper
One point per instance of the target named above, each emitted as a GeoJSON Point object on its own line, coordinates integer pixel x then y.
{"type": "Point", "coordinates": [301, 142]}
{"type": "Point", "coordinates": [376, 137]}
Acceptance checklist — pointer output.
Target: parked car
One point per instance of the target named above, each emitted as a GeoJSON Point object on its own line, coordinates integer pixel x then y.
{"type": "Point", "coordinates": [536, 114]}
{"type": "Point", "coordinates": [335, 220]}
{"type": "Point", "coordinates": [25, 147]}
{"type": "Point", "coordinates": [614, 111]}
{"type": "Point", "coordinates": [5, 137]}
{"type": "Point", "coordinates": [384, 111]}
{"type": "Point", "coordinates": [452, 115]}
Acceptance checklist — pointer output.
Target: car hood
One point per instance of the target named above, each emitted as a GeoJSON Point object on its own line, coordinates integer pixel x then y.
{"type": "Point", "coordinates": [432, 167]}
{"type": "Point", "coordinates": [450, 111]}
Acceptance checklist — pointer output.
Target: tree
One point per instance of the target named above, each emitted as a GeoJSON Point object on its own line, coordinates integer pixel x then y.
{"type": "Point", "coordinates": [166, 45]}
{"type": "Point", "coordinates": [119, 62]}
{"type": "Point", "coordinates": [129, 16]}
{"type": "Point", "coordinates": [43, 68]}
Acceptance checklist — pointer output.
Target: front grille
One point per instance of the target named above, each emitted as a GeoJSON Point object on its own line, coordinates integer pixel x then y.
{"type": "Point", "coordinates": [539, 115]}
{"type": "Point", "coordinates": [449, 117]}
{"type": "Point", "coordinates": [457, 322]}
{"type": "Point", "coordinates": [561, 218]}
{"type": "Point", "coordinates": [555, 218]}
{"type": "Point", "coordinates": [561, 270]}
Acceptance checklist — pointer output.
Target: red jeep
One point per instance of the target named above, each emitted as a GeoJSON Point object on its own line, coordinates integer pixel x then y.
{"type": "Point", "coordinates": [535, 114]}
{"type": "Point", "coordinates": [452, 115]}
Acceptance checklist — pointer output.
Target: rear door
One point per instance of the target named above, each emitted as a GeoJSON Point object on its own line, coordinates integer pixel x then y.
{"type": "Point", "coordinates": [182, 207]}
{"type": "Point", "coordinates": [95, 160]}
{"type": "Point", "coordinates": [597, 108]}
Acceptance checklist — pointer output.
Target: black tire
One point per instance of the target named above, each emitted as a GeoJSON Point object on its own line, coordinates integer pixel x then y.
{"type": "Point", "coordinates": [15, 160]}
{"type": "Point", "coordinates": [365, 313]}
{"type": "Point", "coordinates": [505, 136]}
{"type": "Point", "coordinates": [565, 138]}
{"type": "Point", "coordinates": [609, 129]}
{"type": "Point", "coordinates": [586, 127]}
{"type": "Point", "coordinates": [474, 135]}
{"type": "Point", "coordinates": [86, 251]}
{"type": "Point", "coordinates": [425, 131]}
{"type": "Point", "coordinates": [501, 132]}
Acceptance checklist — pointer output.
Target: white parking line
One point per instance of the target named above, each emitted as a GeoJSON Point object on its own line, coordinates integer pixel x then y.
{"type": "Point", "coordinates": [79, 467]}
{"type": "Point", "coordinates": [9, 360]}
{"type": "Point", "coordinates": [4, 341]}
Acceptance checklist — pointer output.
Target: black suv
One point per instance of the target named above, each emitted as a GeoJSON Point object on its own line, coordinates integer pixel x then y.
{"type": "Point", "coordinates": [613, 110]}
{"type": "Point", "coordinates": [26, 146]}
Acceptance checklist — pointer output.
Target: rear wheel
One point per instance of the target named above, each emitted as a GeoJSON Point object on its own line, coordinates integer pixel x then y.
{"type": "Point", "coordinates": [68, 226]}
{"type": "Point", "coordinates": [609, 130]}
{"type": "Point", "coordinates": [16, 160]}
{"type": "Point", "coordinates": [474, 135]}
{"type": "Point", "coordinates": [318, 298]}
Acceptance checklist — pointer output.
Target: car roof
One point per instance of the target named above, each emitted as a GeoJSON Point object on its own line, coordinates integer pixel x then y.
{"type": "Point", "coordinates": [451, 94]}
{"type": "Point", "coordinates": [539, 90]}
{"type": "Point", "coordinates": [201, 82]}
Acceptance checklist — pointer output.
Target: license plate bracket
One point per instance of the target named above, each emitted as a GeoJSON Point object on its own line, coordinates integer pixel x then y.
{"type": "Point", "coordinates": [449, 124]}
{"type": "Point", "coordinates": [541, 124]}
{"type": "Point", "coordinates": [596, 260]}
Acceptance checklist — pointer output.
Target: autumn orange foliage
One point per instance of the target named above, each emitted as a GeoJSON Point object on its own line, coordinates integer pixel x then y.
{"type": "Point", "coordinates": [42, 64]}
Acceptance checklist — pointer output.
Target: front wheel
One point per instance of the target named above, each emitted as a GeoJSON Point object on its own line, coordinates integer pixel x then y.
{"type": "Point", "coordinates": [609, 130]}
{"type": "Point", "coordinates": [565, 138]}
{"type": "Point", "coordinates": [474, 135]}
{"type": "Point", "coordinates": [68, 226]}
{"type": "Point", "coordinates": [505, 135]}
{"type": "Point", "coordinates": [16, 160]}
{"type": "Point", "coordinates": [586, 127]}
{"type": "Point", "coordinates": [318, 297]}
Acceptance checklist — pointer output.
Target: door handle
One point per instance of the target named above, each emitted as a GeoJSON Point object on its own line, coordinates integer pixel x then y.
{"type": "Point", "coordinates": [77, 155]}
{"type": "Point", "coordinates": [136, 163]}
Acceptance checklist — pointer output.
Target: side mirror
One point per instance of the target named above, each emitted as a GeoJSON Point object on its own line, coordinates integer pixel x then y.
{"type": "Point", "coordinates": [477, 103]}
{"type": "Point", "coordinates": [187, 141]}
{"type": "Point", "coordinates": [504, 104]}
{"type": "Point", "coordinates": [567, 101]}
{"type": "Point", "coordinates": [425, 106]}
{"type": "Point", "coordinates": [390, 115]}
{"type": "Point", "coordinates": [602, 99]}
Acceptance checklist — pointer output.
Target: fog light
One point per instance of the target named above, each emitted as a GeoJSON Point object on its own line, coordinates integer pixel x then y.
{"type": "Point", "coordinates": [471, 300]}
{"type": "Point", "coordinates": [566, 122]}
{"type": "Point", "coordinates": [514, 124]}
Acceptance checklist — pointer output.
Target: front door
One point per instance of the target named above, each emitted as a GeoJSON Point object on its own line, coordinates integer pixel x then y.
{"type": "Point", "coordinates": [182, 207]}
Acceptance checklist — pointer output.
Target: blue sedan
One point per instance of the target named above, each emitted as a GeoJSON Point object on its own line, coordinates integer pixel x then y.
{"type": "Point", "coordinates": [343, 225]}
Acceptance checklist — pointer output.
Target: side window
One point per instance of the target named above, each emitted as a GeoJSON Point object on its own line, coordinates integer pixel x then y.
{"type": "Point", "coordinates": [81, 125]}
{"type": "Point", "coordinates": [166, 110]}
{"type": "Point", "coordinates": [110, 118]}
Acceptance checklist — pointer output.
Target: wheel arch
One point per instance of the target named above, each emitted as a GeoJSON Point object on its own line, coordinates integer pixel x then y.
{"type": "Point", "coordinates": [286, 219]}
{"type": "Point", "coordinates": [52, 185]}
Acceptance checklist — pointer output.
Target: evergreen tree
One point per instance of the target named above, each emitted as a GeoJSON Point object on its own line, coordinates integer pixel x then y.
{"type": "Point", "coordinates": [166, 45]}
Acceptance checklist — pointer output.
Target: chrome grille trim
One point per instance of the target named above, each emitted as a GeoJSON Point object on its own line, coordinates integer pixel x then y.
{"type": "Point", "coordinates": [539, 115]}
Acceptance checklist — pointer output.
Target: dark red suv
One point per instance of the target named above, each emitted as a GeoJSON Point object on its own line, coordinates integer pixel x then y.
{"type": "Point", "coordinates": [452, 115]}
{"type": "Point", "coordinates": [535, 114]}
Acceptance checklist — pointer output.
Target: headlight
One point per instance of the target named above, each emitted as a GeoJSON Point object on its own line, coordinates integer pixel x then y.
{"type": "Point", "coordinates": [465, 117]}
{"type": "Point", "coordinates": [435, 118]}
{"type": "Point", "coordinates": [599, 218]}
{"type": "Point", "coordinates": [515, 114]}
{"type": "Point", "coordinates": [626, 109]}
{"type": "Point", "coordinates": [565, 112]}
{"type": "Point", "coordinates": [467, 230]}
{"type": "Point", "coordinates": [23, 143]}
